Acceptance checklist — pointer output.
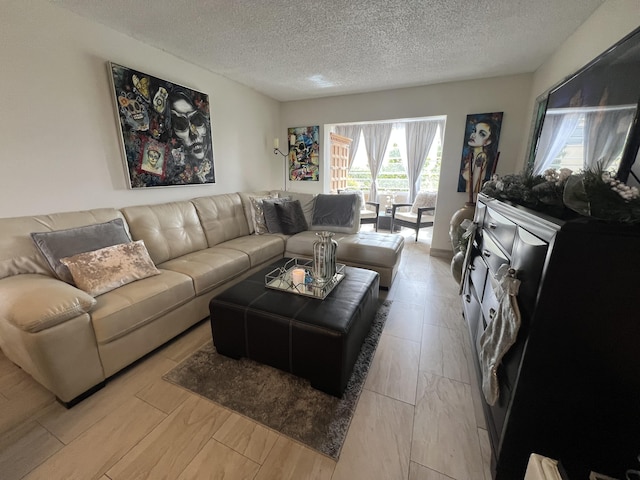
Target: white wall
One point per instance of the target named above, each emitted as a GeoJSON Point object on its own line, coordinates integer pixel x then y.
{"type": "Point", "coordinates": [60, 146]}
{"type": "Point", "coordinates": [455, 100]}
{"type": "Point", "coordinates": [607, 25]}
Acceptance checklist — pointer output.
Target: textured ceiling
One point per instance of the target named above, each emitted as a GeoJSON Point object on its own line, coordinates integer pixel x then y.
{"type": "Point", "coordinates": [292, 50]}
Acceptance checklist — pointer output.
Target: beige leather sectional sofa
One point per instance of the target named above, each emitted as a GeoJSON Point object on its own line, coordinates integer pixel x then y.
{"type": "Point", "coordinates": [71, 342]}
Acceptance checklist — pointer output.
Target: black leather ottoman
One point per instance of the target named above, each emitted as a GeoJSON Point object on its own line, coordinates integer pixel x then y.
{"type": "Point", "coordinates": [315, 339]}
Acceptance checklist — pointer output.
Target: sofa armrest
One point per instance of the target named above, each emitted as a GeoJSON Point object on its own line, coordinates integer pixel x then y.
{"type": "Point", "coordinates": [34, 302]}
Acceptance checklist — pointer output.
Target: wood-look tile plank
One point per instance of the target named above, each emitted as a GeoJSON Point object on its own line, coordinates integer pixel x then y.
{"type": "Point", "coordinates": [431, 354]}
{"type": "Point", "coordinates": [182, 347]}
{"type": "Point", "coordinates": [418, 472]}
{"type": "Point", "coordinates": [289, 460]}
{"type": "Point", "coordinates": [444, 312]}
{"type": "Point", "coordinates": [101, 446]}
{"type": "Point", "coordinates": [67, 424]}
{"type": "Point", "coordinates": [246, 437]}
{"type": "Point", "coordinates": [169, 448]}
{"type": "Point", "coordinates": [404, 321]}
{"type": "Point", "coordinates": [24, 398]}
{"type": "Point", "coordinates": [378, 441]}
{"type": "Point", "coordinates": [163, 395]}
{"type": "Point", "coordinates": [454, 355]}
{"type": "Point", "coordinates": [216, 462]}
{"type": "Point", "coordinates": [485, 450]}
{"type": "Point", "coordinates": [409, 291]}
{"type": "Point", "coordinates": [445, 436]}
{"type": "Point", "coordinates": [394, 370]}
{"type": "Point", "coordinates": [24, 448]}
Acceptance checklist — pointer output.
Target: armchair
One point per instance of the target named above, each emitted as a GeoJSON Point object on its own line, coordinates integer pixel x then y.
{"type": "Point", "coordinates": [421, 215]}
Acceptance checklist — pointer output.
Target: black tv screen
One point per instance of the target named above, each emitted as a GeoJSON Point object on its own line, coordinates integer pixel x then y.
{"type": "Point", "coordinates": [591, 119]}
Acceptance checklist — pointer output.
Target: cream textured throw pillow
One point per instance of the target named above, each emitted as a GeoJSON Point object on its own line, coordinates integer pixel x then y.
{"type": "Point", "coordinates": [106, 269]}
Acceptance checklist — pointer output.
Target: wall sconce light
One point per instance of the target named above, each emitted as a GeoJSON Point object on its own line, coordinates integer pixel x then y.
{"type": "Point", "coordinates": [276, 151]}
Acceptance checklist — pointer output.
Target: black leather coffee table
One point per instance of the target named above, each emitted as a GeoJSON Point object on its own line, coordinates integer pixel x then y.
{"type": "Point", "coordinates": [315, 339]}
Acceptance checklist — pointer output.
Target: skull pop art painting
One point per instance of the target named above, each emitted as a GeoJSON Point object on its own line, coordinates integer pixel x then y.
{"type": "Point", "coordinates": [165, 128]}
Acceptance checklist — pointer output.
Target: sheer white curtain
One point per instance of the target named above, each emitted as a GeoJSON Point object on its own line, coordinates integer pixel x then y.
{"type": "Point", "coordinates": [376, 138]}
{"type": "Point", "coordinates": [607, 132]}
{"type": "Point", "coordinates": [352, 132]}
{"type": "Point", "coordinates": [419, 137]}
{"type": "Point", "coordinates": [556, 131]}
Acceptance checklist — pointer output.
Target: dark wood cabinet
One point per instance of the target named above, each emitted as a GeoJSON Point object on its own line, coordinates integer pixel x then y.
{"type": "Point", "coordinates": [570, 385]}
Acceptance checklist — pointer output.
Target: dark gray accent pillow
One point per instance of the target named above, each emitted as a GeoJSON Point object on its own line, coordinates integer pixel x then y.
{"type": "Point", "coordinates": [270, 214]}
{"type": "Point", "coordinates": [67, 243]}
{"type": "Point", "coordinates": [291, 217]}
{"type": "Point", "coordinates": [335, 212]}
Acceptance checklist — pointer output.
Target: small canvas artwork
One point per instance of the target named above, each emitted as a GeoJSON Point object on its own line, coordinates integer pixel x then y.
{"type": "Point", "coordinates": [165, 129]}
{"type": "Point", "coordinates": [480, 150]}
{"type": "Point", "coordinates": [304, 154]}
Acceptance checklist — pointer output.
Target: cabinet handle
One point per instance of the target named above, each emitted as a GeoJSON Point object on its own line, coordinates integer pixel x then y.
{"type": "Point", "coordinates": [467, 297]}
{"type": "Point", "coordinates": [486, 253]}
{"type": "Point", "coordinates": [472, 266]}
{"type": "Point", "coordinates": [492, 313]}
{"type": "Point", "coordinates": [493, 225]}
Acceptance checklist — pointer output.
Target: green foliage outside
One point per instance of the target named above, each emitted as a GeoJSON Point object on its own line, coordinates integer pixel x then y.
{"type": "Point", "coordinates": [392, 176]}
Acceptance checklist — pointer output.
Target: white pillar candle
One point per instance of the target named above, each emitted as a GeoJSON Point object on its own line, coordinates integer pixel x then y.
{"type": "Point", "coordinates": [276, 143]}
{"type": "Point", "coordinates": [297, 276]}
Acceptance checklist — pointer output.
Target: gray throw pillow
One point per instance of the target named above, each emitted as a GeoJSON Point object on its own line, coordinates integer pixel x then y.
{"type": "Point", "coordinates": [291, 217]}
{"type": "Point", "coordinates": [335, 213]}
{"type": "Point", "coordinates": [270, 214]}
{"type": "Point", "coordinates": [66, 243]}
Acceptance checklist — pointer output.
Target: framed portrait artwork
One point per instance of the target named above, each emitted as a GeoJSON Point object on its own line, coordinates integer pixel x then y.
{"type": "Point", "coordinates": [304, 154]}
{"type": "Point", "coordinates": [480, 150]}
{"type": "Point", "coordinates": [165, 129]}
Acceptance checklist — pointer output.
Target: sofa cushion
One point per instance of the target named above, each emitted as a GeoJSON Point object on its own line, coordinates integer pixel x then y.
{"type": "Point", "coordinates": [258, 217]}
{"type": "Point", "coordinates": [371, 248]}
{"type": "Point", "coordinates": [68, 242]}
{"type": "Point", "coordinates": [424, 199]}
{"type": "Point", "coordinates": [270, 215]}
{"type": "Point", "coordinates": [222, 216]}
{"type": "Point", "coordinates": [131, 306]}
{"type": "Point", "coordinates": [307, 202]}
{"type": "Point", "coordinates": [301, 244]}
{"type": "Point", "coordinates": [18, 252]}
{"type": "Point", "coordinates": [336, 213]}
{"type": "Point", "coordinates": [169, 230]}
{"type": "Point", "coordinates": [211, 267]}
{"type": "Point", "coordinates": [105, 269]}
{"type": "Point", "coordinates": [291, 217]}
{"type": "Point", "coordinates": [259, 248]}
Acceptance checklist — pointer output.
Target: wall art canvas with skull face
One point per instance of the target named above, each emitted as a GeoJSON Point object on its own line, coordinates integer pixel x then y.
{"type": "Point", "coordinates": [166, 130]}
{"type": "Point", "coordinates": [304, 154]}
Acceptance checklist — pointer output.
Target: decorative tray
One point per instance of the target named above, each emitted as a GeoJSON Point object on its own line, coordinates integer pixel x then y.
{"type": "Point", "coordinates": [282, 278]}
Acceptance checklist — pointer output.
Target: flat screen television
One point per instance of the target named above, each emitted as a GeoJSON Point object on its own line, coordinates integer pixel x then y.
{"type": "Point", "coordinates": [591, 118]}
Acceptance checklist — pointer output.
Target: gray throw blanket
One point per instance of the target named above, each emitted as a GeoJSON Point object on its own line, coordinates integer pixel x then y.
{"type": "Point", "coordinates": [501, 333]}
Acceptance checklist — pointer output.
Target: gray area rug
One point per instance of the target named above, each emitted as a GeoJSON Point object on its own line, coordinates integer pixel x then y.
{"type": "Point", "coordinates": [277, 399]}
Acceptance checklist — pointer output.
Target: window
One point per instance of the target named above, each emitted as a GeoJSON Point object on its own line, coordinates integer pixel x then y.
{"type": "Point", "coordinates": [393, 174]}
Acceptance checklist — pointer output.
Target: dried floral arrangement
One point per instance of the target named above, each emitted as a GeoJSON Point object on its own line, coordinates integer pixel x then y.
{"type": "Point", "coordinates": [594, 193]}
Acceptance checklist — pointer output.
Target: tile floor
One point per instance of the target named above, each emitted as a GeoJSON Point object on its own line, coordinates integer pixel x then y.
{"type": "Point", "coordinates": [418, 417]}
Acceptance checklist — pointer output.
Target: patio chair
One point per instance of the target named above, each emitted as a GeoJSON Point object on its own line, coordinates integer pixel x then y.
{"type": "Point", "coordinates": [420, 215]}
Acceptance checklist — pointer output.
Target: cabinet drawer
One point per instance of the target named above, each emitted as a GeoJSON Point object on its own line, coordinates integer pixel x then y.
{"type": "Point", "coordinates": [502, 229]}
{"type": "Point", "coordinates": [478, 275]}
{"type": "Point", "coordinates": [493, 256]}
{"type": "Point", "coordinates": [528, 257]}
{"type": "Point", "coordinates": [490, 303]}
